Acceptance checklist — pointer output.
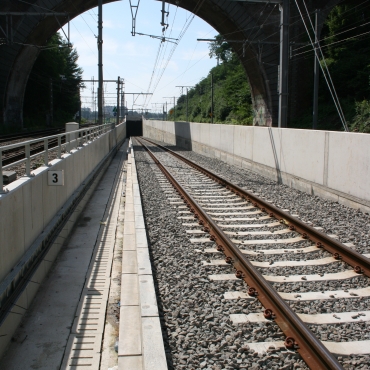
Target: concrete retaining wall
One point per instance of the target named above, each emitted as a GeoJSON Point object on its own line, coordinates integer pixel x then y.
{"type": "Point", "coordinates": [333, 165]}
{"type": "Point", "coordinates": [31, 204]}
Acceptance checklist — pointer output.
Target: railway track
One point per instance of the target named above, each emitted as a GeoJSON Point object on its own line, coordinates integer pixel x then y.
{"type": "Point", "coordinates": [271, 251]}
{"type": "Point", "coordinates": [32, 134]}
{"type": "Point", "coordinates": [14, 155]}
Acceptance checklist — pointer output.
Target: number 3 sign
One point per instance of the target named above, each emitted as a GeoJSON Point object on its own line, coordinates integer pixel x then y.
{"type": "Point", "coordinates": [56, 178]}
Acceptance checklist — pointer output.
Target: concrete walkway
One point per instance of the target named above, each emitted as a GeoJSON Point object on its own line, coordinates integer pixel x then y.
{"type": "Point", "coordinates": [65, 324]}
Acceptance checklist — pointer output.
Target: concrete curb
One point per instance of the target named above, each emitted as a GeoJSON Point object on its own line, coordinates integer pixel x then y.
{"type": "Point", "coordinates": [140, 337]}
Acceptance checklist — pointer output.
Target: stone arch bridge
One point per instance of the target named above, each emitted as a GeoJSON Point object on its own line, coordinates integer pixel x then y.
{"type": "Point", "coordinates": [259, 21]}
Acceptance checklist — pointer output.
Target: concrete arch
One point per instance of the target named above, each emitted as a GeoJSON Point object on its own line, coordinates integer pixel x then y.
{"type": "Point", "coordinates": [236, 20]}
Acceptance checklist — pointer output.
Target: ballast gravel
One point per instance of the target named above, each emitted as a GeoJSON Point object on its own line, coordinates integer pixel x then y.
{"type": "Point", "coordinates": [195, 319]}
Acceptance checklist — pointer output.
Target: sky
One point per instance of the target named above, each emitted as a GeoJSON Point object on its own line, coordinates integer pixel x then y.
{"type": "Point", "coordinates": [133, 57]}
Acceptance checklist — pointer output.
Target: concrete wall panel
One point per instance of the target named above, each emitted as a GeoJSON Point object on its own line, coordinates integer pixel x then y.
{"type": "Point", "coordinates": [194, 131]}
{"type": "Point", "coordinates": [32, 198]}
{"type": "Point", "coordinates": [226, 138]}
{"type": "Point", "coordinates": [303, 153]}
{"type": "Point", "coordinates": [348, 167]}
{"type": "Point", "coordinates": [266, 146]}
{"type": "Point", "coordinates": [214, 136]}
{"type": "Point", "coordinates": [11, 231]}
{"type": "Point", "coordinates": [334, 165]}
{"type": "Point", "coordinates": [204, 134]}
{"type": "Point", "coordinates": [243, 142]}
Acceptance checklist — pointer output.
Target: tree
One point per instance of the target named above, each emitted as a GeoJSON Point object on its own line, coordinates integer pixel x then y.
{"type": "Point", "coordinates": [58, 64]}
{"type": "Point", "coordinates": [220, 49]}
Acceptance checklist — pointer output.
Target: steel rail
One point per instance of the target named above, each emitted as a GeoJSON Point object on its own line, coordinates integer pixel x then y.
{"type": "Point", "coordinates": [360, 263]}
{"type": "Point", "coordinates": [10, 137]}
{"type": "Point", "coordinates": [298, 336]}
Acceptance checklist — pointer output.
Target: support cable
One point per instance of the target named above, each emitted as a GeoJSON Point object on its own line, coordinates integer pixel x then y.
{"type": "Point", "coordinates": [327, 68]}
{"type": "Point", "coordinates": [335, 97]}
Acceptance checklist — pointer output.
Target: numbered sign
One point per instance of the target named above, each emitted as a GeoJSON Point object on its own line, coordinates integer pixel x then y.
{"type": "Point", "coordinates": [56, 178]}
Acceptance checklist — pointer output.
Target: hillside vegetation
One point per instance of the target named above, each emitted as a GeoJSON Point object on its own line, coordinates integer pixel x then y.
{"type": "Point", "coordinates": [231, 92]}
{"type": "Point", "coordinates": [346, 47]}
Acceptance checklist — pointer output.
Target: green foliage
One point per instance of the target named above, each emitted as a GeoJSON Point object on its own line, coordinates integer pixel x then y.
{"type": "Point", "coordinates": [347, 55]}
{"type": "Point", "coordinates": [361, 121]}
{"type": "Point", "coordinates": [220, 49]}
{"type": "Point", "coordinates": [349, 59]}
{"type": "Point", "coordinates": [231, 93]}
{"type": "Point", "coordinates": [58, 63]}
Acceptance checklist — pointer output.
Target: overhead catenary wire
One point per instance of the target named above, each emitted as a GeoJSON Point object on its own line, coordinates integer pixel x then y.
{"type": "Point", "coordinates": [163, 53]}
{"type": "Point", "coordinates": [181, 35]}
{"type": "Point", "coordinates": [334, 35]}
{"type": "Point", "coordinates": [352, 38]}
{"type": "Point", "coordinates": [238, 50]}
{"type": "Point", "coordinates": [249, 28]}
{"type": "Point", "coordinates": [331, 87]}
{"type": "Point", "coordinates": [329, 75]}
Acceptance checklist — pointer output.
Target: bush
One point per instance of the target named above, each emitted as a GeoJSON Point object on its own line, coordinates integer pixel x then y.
{"type": "Point", "coordinates": [361, 121]}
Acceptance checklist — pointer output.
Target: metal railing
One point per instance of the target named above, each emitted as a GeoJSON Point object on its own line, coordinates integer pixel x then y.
{"type": "Point", "coordinates": [73, 140]}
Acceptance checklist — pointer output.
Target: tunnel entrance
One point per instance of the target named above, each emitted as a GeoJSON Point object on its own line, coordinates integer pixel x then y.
{"type": "Point", "coordinates": [134, 126]}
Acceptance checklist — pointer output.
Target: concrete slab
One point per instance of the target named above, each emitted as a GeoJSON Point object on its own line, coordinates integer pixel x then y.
{"type": "Point", "coordinates": [129, 228]}
{"type": "Point", "coordinates": [317, 262]}
{"type": "Point", "coordinates": [139, 222]}
{"type": "Point", "coordinates": [148, 300]}
{"type": "Point", "coordinates": [141, 240]}
{"type": "Point", "coordinates": [130, 341]}
{"type": "Point", "coordinates": [130, 363]}
{"type": "Point", "coordinates": [153, 349]}
{"type": "Point", "coordinates": [130, 290]}
{"type": "Point", "coordinates": [143, 261]}
{"type": "Point", "coordinates": [129, 262]}
{"type": "Point", "coordinates": [129, 242]}
{"type": "Point", "coordinates": [348, 274]}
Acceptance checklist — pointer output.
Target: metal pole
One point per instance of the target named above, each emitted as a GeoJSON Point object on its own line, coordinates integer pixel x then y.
{"type": "Point", "coordinates": [1, 172]}
{"type": "Point", "coordinates": [100, 63]}
{"type": "Point", "coordinates": [166, 112]}
{"type": "Point", "coordinates": [211, 97]}
{"type": "Point", "coordinates": [69, 34]}
{"type": "Point", "coordinates": [174, 109]}
{"type": "Point", "coordinates": [117, 111]}
{"type": "Point", "coordinates": [284, 63]}
{"type": "Point", "coordinates": [51, 103]}
{"type": "Point", "coordinates": [316, 75]}
{"type": "Point", "coordinates": [187, 105]}
{"type": "Point", "coordinates": [122, 101]}
{"type": "Point", "coordinates": [79, 110]}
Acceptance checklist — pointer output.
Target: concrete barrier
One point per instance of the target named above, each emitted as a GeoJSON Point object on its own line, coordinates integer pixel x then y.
{"type": "Point", "coordinates": [333, 165]}
{"type": "Point", "coordinates": [33, 211]}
